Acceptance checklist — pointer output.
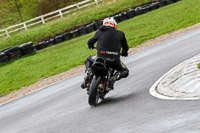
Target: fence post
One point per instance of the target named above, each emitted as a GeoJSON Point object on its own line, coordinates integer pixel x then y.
{"type": "Point", "coordinates": [78, 5]}
{"type": "Point", "coordinates": [25, 27]}
{"type": "Point", "coordinates": [96, 1]}
{"type": "Point", "coordinates": [42, 20]}
{"type": "Point", "coordinates": [7, 33]}
{"type": "Point", "coordinates": [60, 12]}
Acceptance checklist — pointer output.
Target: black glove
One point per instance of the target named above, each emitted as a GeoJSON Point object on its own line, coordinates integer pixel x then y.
{"type": "Point", "coordinates": [90, 47]}
{"type": "Point", "coordinates": [124, 54]}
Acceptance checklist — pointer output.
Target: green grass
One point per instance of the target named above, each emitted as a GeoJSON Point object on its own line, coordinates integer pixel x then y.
{"type": "Point", "coordinates": [106, 8]}
{"type": "Point", "coordinates": [199, 66]}
{"type": "Point", "coordinates": [61, 57]}
{"type": "Point", "coordinates": [29, 9]}
{"type": "Point", "coordinates": [8, 15]}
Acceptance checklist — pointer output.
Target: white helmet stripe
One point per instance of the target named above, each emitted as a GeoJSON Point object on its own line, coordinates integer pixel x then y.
{"type": "Point", "coordinates": [110, 22]}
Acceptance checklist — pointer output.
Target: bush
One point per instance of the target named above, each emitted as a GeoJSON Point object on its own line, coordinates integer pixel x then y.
{"type": "Point", "coordinates": [46, 6]}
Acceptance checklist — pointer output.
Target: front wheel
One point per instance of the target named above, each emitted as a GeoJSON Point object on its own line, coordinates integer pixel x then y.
{"type": "Point", "coordinates": [93, 91]}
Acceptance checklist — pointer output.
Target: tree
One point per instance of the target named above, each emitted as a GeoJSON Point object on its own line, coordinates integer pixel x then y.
{"type": "Point", "coordinates": [18, 9]}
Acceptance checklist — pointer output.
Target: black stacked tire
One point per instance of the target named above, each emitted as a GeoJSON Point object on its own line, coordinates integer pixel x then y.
{"type": "Point", "coordinates": [98, 24]}
{"type": "Point", "coordinates": [138, 10]}
{"type": "Point", "coordinates": [117, 18]}
{"type": "Point", "coordinates": [13, 52]}
{"type": "Point", "coordinates": [154, 5]}
{"type": "Point", "coordinates": [40, 45]}
{"type": "Point", "coordinates": [58, 39]}
{"type": "Point", "coordinates": [162, 3]}
{"type": "Point", "coordinates": [75, 33]}
{"type": "Point", "coordinates": [123, 16]}
{"type": "Point", "coordinates": [83, 30]}
{"type": "Point", "coordinates": [146, 8]}
{"type": "Point", "coordinates": [176, 0]}
{"type": "Point", "coordinates": [90, 27]}
{"type": "Point", "coordinates": [169, 1]}
{"type": "Point", "coordinates": [67, 36]}
{"type": "Point", "coordinates": [4, 57]}
{"type": "Point", "coordinates": [26, 48]}
{"type": "Point", "coordinates": [49, 42]}
{"type": "Point", "coordinates": [131, 13]}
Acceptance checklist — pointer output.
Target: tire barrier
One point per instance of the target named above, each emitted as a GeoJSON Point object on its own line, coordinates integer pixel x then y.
{"type": "Point", "coordinates": [131, 13]}
{"type": "Point", "coordinates": [98, 23]}
{"type": "Point", "coordinates": [138, 10]}
{"type": "Point", "coordinates": [83, 30]}
{"type": "Point", "coordinates": [162, 3]}
{"type": "Point", "coordinates": [116, 17]}
{"type": "Point", "coordinates": [75, 33]}
{"type": "Point", "coordinates": [13, 52]}
{"type": "Point", "coordinates": [58, 39]}
{"type": "Point", "coordinates": [27, 48]}
{"type": "Point", "coordinates": [154, 6]}
{"type": "Point", "coordinates": [91, 27]}
{"type": "Point", "coordinates": [67, 36]}
{"type": "Point", "coordinates": [40, 45]}
{"type": "Point", "coordinates": [146, 8]}
{"type": "Point", "coordinates": [169, 2]}
{"type": "Point", "coordinates": [123, 16]}
{"type": "Point", "coordinates": [16, 52]}
{"type": "Point", "coordinates": [4, 58]}
{"type": "Point", "coordinates": [49, 42]}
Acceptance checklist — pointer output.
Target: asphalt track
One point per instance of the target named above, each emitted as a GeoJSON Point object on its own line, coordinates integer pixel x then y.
{"type": "Point", "coordinates": [63, 107]}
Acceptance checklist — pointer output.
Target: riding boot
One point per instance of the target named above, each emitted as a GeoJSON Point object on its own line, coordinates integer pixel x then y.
{"type": "Point", "coordinates": [86, 79]}
{"type": "Point", "coordinates": [112, 81]}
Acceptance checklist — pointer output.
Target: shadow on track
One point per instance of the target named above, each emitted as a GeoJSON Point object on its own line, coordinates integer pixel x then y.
{"type": "Point", "coordinates": [114, 100]}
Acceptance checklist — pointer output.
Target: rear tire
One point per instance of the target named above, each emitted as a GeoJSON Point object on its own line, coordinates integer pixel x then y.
{"type": "Point", "coordinates": [93, 91]}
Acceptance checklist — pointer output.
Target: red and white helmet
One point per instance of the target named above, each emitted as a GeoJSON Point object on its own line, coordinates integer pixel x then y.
{"type": "Point", "coordinates": [110, 22]}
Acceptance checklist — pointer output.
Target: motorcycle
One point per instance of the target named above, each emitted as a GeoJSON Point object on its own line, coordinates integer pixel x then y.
{"type": "Point", "coordinates": [99, 80]}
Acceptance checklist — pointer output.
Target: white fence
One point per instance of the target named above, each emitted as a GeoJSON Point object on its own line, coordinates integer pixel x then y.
{"type": "Point", "coordinates": [42, 19]}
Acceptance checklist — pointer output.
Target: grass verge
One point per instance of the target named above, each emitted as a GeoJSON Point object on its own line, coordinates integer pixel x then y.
{"type": "Point", "coordinates": [59, 58]}
{"type": "Point", "coordinates": [82, 16]}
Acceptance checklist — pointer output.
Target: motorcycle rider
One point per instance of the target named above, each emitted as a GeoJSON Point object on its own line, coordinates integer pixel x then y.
{"type": "Point", "coordinates": [110, 41]}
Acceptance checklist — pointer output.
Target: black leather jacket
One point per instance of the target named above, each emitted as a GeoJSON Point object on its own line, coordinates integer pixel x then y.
{"type": "Point", "coordinates": [110, 41]}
